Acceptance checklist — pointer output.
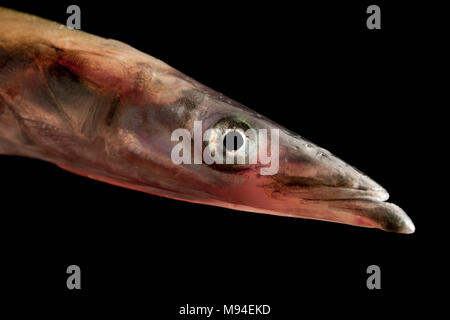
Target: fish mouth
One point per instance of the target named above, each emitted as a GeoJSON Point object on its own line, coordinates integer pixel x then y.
{"type": "Point", "coordinates": [314, 184]}
{"type": "Point", "coordinates": [364, 208]}
{"type": "Point", "coordinates": [362, 204]}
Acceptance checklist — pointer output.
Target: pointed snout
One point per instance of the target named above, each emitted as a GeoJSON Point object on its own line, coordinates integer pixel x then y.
{"type": "Point", "coordinates": [324, 176]}
{"type": "Point", "coordinates": [315, 184]}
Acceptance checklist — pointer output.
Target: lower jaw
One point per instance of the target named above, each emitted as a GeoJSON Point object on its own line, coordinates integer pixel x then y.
{"type": "Point", "coordinates": [363, 213]}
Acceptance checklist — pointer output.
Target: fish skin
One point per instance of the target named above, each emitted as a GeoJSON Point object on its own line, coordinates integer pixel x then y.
{"type": "Point", "coordinates": [102, 109]}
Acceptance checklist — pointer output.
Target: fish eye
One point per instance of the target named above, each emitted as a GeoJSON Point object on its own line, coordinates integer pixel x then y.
{"type": "Point", "coordinates": [232, 142]}
{"type": "Point", "coordinates": [233, 132]}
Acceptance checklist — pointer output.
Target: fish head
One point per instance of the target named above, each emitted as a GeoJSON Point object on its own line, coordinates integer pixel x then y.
{"type": "Point", "coordinates": [176, 138]}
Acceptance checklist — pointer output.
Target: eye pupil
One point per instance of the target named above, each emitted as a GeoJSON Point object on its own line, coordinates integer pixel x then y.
{"type": "Point", "coordinates": [233, 141]}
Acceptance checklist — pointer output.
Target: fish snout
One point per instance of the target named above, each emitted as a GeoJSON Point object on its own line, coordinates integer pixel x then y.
{"type": "Point", "coordinates": [311, 170]}
{"type": "Point", "coordinates": [315, 184]}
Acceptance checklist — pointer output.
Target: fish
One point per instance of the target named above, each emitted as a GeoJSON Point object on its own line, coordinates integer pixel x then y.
{"type": "Point", "coordinates": [104, 110]}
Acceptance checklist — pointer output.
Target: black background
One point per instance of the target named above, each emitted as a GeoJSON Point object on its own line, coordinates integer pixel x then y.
{"type": "Point", "coordinates": [314, 68]}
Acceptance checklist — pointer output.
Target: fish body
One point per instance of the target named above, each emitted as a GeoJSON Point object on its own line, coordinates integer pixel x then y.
{"type": "Point", "coordinates": [102, 109]}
